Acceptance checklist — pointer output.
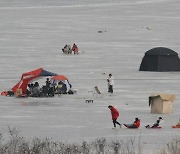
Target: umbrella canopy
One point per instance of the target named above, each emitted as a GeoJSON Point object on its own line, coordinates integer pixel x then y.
{"type": "Point", "coordinates": [28, 76]}
{"type": "Point", "coordinates": [62, 78]}
{"type": "Point", "coordinates": [59, 77]}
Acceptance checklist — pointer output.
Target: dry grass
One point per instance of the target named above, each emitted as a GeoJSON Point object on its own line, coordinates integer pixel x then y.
{"type": "Point", "coordinates": [18, 145]}
{"type": "Point", "coordinates": [171, 148]}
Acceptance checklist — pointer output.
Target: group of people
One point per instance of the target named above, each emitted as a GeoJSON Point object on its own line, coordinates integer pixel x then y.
{"type": "Point", "coordinates": [136, 123]}
{"type": "Point", "coordinates": [68, 50]}
{"type": "Point", "coordinates": [48, 90]}
{"type": "Point", "coordinates": [61, 88]}
{"type": "Point", "coordinates": [115, 115]}
{"type": "Point", "coordinates": [34, 90]}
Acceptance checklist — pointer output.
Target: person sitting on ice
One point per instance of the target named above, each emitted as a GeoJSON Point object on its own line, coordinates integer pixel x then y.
{"type": "Point", "coordinates": [4, 93]}
{"type": "Point", "coordinates": [36, 90]}
{"type": "Point", "coordinates": [178, 124]}
{"type": "Point", "coordinates": [64, 48]}
{"type": "Point", "coordinates": [67, 49]}
{"type": "Point", "coordinates": [51, 90]}
{"type": "Point", "coordinates": [70, 90]}
{"type": "Point", "coordinates": [7, 93]}
{"type": "Point", "coordinates": [75, 49]}
{"type": "Point", "coordinates": [10, 93]}
{"type": "Point", "coordinates": [58, 88]}
{"type": "Point", "coordinates": [135, 124]}
{"type": "Point", "coordinates": [64, 88]}
{"type": "Point", "coordinates": [29, 90]}
{"type": "Point", "coordinates": [48, 83]}
{"type": "Point", "coordinates": [156, 124]}
{"type": "Point", "coordinates": [61, 88]}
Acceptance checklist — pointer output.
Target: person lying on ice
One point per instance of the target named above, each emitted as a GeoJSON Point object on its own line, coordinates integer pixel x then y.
{"type": "Point", "coordinates": [115, 115]}
{"type": "Point", "coordinates": [135, 124]}
{"type": "Point", "coordinates": [157, 124]}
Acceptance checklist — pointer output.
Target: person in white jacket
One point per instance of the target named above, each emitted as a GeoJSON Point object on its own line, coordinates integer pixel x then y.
{"type": "Point", "coordinates": [110, 81]}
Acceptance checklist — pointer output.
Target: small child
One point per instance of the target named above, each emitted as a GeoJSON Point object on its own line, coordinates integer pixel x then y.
{"type": "Point", "coordinates": [158, 122]}
{"type": "Point", "coordinates": [178, 124]}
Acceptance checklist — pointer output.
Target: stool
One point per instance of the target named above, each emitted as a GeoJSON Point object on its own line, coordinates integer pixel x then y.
{"type": "Point", "coordinates": [89, 101]}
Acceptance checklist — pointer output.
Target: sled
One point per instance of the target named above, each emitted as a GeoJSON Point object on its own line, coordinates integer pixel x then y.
{"type": "Point", "coordinates": [154, 127]}
{"type": "Point", "coordinates": [176, 126]}
{"type": "Point", "coordinates": [130, 126]}
{"type": "Point", "coordinates": [22, 96]}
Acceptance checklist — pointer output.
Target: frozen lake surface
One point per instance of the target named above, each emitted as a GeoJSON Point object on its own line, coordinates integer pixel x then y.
{"type": "Point", "coordinates": [32, 34]}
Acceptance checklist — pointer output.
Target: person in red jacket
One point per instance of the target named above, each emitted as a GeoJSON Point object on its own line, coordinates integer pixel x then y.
{"type": "Point", "coordinates": [115, 115]}
{"type": "Point", "coordinates": [135, 124]}
{"type": "Point", "coordinates": [75, 49]}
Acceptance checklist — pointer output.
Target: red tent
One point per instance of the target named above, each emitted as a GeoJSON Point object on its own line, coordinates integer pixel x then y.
{"type": "Point", "coordinates": [28, 76]}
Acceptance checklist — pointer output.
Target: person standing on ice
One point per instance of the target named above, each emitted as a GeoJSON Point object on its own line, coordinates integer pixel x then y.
{"type": "Point", "coordinates": [115, 115]}
{"type": "Point", "coordinates": [110, 81]}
